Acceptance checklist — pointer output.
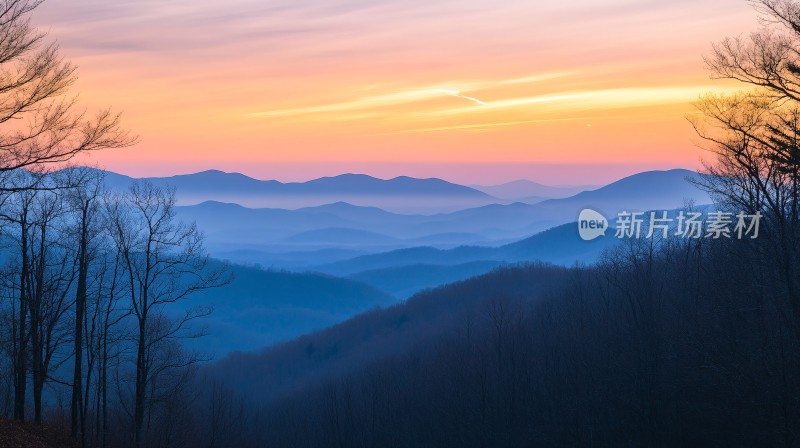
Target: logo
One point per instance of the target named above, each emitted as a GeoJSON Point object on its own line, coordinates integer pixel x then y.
{"type": "Point", "coordinates": [714, 224]}
{"type": "Point", "coordinates": [591, 224]}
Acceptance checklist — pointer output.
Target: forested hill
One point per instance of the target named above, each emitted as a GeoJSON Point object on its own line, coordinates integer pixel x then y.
{"type": "Point", "coordinates": [662, 344]}
{"type": "Point", "coordinates": [381, 334]}
{"type": "Point", "coordinates": [259, 308]}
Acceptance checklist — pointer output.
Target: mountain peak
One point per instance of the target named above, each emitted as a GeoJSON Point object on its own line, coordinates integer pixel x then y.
{"type": "Point", "coordinates": [219, 174]}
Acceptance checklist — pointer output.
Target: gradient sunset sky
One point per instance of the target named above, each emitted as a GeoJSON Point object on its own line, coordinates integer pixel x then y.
{"type": "Point", "coordinates": [581, 91]}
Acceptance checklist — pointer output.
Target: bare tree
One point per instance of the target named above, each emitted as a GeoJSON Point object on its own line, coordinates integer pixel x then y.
{"type": "Point", "coordinates": [41, 127]}
{"type": "Point", "coordinates": [39, 123]}
{"type": "Point", "coordinates": [104, 337]}
{"type": "Point", "coordinates": [84, 202]}
{"type": "Point", "coordinates": [225, 415]}
{"type": "Point", "coordinates": [754, 136]}
{"type": "Point", "coordinates": [17, 217]}
{"type": "Point", "coordinates": [164, 262]}
{"type": "Point", "coordinates": [52, 274]}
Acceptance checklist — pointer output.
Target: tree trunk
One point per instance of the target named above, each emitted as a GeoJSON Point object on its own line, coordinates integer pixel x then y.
{"type": "Point", "coordinates": [80, 311]}
{"type": "Point", "coordinates": [37, 337]}
{"type": "Point", "coordinates": [104, 386]}
{"type": "Point", "coordinates": [141, 385]}
{"type": "Point", "coordinates": [22, 337]}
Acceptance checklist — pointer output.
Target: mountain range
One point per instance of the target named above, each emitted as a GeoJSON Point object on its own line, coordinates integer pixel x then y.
{"type": "Point", "coordinates": [332, 260]}
{"type": "Point", "coordinates": [402, 194]}
{"type": "Point", "coordinates": [232, 228]}
{"type": "Point", "coordinates": [559, 245]}
{"type": "Point", "coordinates": [524, 190]}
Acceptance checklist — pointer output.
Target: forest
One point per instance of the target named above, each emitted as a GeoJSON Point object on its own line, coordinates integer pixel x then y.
{"type": "Point", "coordinates": [663, 342]}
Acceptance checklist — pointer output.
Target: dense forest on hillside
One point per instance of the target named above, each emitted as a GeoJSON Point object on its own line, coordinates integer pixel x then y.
{"type": "Point", "coordinates": [660, 345]}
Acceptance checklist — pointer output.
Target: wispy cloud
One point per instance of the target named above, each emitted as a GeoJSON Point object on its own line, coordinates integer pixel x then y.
{"type": "Point", "coordinates": [602, 98]}
{"type": "Point", "coordinates": [580, 100]}
{"type": "Point", "coordinates": [413, 95]}
{"type": "Point", "coordinates": [363, 103]}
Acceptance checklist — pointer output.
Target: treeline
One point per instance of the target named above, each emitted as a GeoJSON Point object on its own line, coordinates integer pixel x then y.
{"type": "Point", "coordinates": [686, 347]}
{"type": "Point", "coordinates": [88, 339]}
{"type": "Point", "coordinates": [87, 280]}
{"type": "Point", "coordinates": [674, 343]}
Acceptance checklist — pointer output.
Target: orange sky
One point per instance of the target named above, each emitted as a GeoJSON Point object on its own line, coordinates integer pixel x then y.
{"type": "Point", "coordinates": [472, 91]}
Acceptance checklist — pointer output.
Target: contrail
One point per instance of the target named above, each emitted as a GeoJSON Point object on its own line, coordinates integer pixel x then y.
{"type": "Point", "coordinates": [458, 94]}
{"type": "Point", "coordinates": [369, 102]}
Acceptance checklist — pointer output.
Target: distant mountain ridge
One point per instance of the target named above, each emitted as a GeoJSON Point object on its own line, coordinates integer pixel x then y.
{"type": "Point", "coordinates": [528, 191]}
{"type": "Point", "coordinates": [400, 194]}
{"type": "Point", "coordinates": [216, 181]}
{"type": "Point", "coordinates": [559, 245]}
{"type": "Point", "coordinates": [231, 227]}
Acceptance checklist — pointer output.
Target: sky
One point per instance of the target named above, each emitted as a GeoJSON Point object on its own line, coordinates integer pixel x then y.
{"type": "Point", "coordinates": [568, 92]}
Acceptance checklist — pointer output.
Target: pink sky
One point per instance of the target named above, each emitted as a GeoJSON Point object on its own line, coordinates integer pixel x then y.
{"type": "Point", "coordinates": [471, 91]}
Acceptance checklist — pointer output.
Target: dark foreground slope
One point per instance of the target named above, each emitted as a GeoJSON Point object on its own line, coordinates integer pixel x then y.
{"type": "Point", "coordinates": [25, 435]}
{"type": "Point", "coordinates": [682, 345]}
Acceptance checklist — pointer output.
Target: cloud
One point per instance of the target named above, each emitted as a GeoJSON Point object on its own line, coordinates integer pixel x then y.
{"type": "Point", "coordinates": [600, 99]}
{"type": "Point", "coordinates": [405, 97]}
